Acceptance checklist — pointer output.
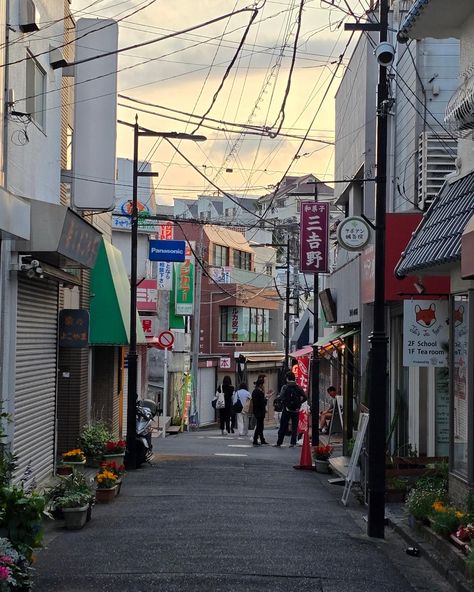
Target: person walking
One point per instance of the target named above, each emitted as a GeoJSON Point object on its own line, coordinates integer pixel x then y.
{"type": "Point", "coordinates": [226, 412]}
{"type": "Point", "coordinates": [292, 397]}
{"type": "Point", "coordinates": [242, 395]}
{"type": "Point", "coordinates": [259, 402]}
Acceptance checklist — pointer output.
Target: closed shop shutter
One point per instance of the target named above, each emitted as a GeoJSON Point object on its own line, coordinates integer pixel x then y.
{"type": "Point", "coordinates": [207, 388]}
{"type": "Point", "coordinates": [35, 390]}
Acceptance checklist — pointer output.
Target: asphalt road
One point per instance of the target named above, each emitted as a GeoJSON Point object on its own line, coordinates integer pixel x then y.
{"type": "Point", "coordinates": [216, 514]}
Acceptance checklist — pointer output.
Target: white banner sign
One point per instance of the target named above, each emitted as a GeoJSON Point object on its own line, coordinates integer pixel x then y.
{"type": "Point", "coordinates": [425, 333]}
{"type": "Point", "coordinates": [164, 275]}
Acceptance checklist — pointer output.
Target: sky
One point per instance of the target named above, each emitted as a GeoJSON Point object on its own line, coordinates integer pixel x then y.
{"type": "Point", "coordinates": [185, 71]}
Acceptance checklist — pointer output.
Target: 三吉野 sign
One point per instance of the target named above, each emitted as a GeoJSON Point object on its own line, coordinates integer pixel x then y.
{"type": "Point", "coordinates": [425, 333]}
{"type": "Point", "coordinates": [314, 229]}
{"type": "Point", "coordinates": [147, 295]}
{"type": "Point", "coordinates": [74, 328]}
{"type": "Point", "coordinates": [184, 285]}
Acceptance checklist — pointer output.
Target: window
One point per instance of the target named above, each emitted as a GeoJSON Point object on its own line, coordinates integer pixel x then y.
{"type": "Point", "coordinates": [221, 255]}
{"type": "Point", "coordinates": [35, 91]}
{"type": "Point", "coordinates": [269, 269]}
{"type": "Point", "coordinates": [244, 324]}
{"type": "Point", "coordinates": [242, 260]}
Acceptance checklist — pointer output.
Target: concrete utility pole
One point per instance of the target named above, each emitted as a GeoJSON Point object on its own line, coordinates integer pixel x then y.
{"type": "Point", "coordinates": [378, 338]}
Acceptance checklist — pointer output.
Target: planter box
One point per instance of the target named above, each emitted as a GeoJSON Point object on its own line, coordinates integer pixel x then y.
{"type": "Point", "coordinates": [75, 518]}
{"type": "Point", "coordinates": [63, 470]}
{"type": "Point", "coordinates": [118, 458]}
{"type": "Point", "coordinates": [321, 466]}
{"type": "Point", "coordinates": [105, 495]}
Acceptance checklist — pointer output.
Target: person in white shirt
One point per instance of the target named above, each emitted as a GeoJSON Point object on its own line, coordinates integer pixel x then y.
{"type": "Point", "coordinates": [243, 395]}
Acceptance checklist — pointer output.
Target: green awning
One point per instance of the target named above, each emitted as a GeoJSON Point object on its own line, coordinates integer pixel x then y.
{"type": "Point", "coordinates": [350, 333]}
{"type": "Point", "coordinates": [110, 300]}
{"type": "Point", "coordinates": [322, 341]}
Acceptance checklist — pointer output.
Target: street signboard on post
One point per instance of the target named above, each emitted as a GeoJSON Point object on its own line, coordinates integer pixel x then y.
{"type": "Point", "coordinates": [314, 234]}
{"type": "Point", "coordinates": [425, 333]}
{"type": "Point", "coordinates": [165, 340]}
{"type": "Point", "coordinates": [167, 250]}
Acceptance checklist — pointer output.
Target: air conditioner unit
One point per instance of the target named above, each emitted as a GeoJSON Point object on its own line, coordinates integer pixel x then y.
{"type": "Point", "coordinates": [29, 16]}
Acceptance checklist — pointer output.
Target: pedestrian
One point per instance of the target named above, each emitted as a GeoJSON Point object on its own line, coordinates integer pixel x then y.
{"type": "Point", "coordinates": [243, 395]}
{"type": "Point", "coordinates": [226, 412]}
{"type": "Point", "coordinates": [259, 402]}
{"type": "Point", "coordinates": [292, 397]}
{"type": "Point", "coordinates": [326, 415]}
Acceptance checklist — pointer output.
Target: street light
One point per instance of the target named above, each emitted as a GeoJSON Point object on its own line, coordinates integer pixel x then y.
{"type": "Point", "coordinates": [132, 358]}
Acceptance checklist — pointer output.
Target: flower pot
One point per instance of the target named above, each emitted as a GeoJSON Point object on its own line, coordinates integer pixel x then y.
{"type": "Point", "coordinates": [104, 495]}
{"type": "Point", "coordinates": [75, 518]}
{"type": "Point", "coordinates": [74, 464]}
{"type": "Point", "coordinates": [322, 466]}
{"type": "Point", "coordinates": [117, 458]}
{"type": "Point", "coordinates": [63, 470]}
{"type": "Point", "coordinates": [89, 512]}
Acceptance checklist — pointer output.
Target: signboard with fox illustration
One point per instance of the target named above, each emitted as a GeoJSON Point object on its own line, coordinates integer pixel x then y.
{"type": "Point", "coordinates": [425, 333]}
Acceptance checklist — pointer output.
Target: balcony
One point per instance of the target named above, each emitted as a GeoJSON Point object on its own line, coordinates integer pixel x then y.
{"type": "Point", "coordinates": [435, 18]}
{"type": "Point", "coordinates": [460, 109]}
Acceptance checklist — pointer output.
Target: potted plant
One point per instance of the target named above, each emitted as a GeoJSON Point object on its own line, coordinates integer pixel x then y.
{"type": "Point", "coordinates": [115, 450]}
{"type": "Point", "coordinates": [321, 458]}
{"type": "Point", "coordinates": [106, 486]}
{"type": "Point", "coordinates": [72, 459]}
{"type": "Point", "coordinates": [59, 497]}
{"type": "Point", "coordinates": [117, 469]}
{"type": "Point", "coordinates": [92, 441]}
{"type": "Point", "coordinates": [75, 506]}
{"type": "Point", "coordinates": [15, 571]}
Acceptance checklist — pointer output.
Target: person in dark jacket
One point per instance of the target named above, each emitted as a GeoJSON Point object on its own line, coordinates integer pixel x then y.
{"type": "Point", "coordinates": [292, 397]}
{"type": "Point", "coordinates": [259, 402]}
{"type": "Point", "coordinates": [226, 412]}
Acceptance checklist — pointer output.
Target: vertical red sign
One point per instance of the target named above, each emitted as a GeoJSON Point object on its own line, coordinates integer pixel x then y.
{"type": "Point", "coordinates": [314, 230]}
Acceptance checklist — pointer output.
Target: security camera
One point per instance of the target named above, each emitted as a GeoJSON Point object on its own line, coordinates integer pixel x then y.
{"type": "Point", "coordinates": [34, 263]}
{"type": "Point", "coordinates": [385, 53]}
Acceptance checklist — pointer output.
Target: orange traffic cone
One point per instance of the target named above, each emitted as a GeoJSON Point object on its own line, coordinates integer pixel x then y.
{"type": "Point", "coordinates": [306, 461]}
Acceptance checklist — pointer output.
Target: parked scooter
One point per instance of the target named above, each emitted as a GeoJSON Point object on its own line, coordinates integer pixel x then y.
{"type": "Point", "coordinates": [146, 411]}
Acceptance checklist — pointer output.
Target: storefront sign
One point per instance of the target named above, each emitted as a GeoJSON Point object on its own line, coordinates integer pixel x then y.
{"type": "Point", "coordinates": [184, 285]}
{"type": "Point", "coordinates": [220, 275]}
{"type": "Point", "coordinates": [74, 328]}
{"type": "Point", "coordinates": [425, 333]}
{"type": "Point", "coordinates": [353, 233]}
{"type": "Point", "coordinates": [165, 275]}
{"type": "Point", "coordinates": [314, 226]}
{"type": "Point", "coordinates": [167, 250]}
{"type": "Point", "coordinates": [224, 363]}
{"type": "Point", "coordinates": [149, 326]}
{"type": "Point", "coordinates": [301, 371]}
{"type": "Point", "coordinates": [147, 295]}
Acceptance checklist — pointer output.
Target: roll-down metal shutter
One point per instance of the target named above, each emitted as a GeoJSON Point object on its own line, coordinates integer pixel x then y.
{"type": "Point", "coordinates": [35, 387]}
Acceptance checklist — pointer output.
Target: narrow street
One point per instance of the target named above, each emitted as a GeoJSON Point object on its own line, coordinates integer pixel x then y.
{"type": "Point", "coordinates": [215, 513]}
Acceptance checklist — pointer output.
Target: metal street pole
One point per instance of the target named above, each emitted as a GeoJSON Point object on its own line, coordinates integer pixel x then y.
{"type": "Point", "coordinates": [378, 338]}
{"type": "Point", "coordinates": [132, 358]}
{"type": "Point", "coordinates": [287, 307]}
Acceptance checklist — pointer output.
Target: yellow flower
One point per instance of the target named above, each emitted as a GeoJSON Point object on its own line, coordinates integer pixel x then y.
{"type": "Point", "coordinates": [438, 507]}
{"type": "Point", "coordinates": [459, 514]}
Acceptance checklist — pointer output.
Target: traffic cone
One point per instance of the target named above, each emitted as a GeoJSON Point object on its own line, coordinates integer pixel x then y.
{"type": "Point", "coordinates": [306, 461]}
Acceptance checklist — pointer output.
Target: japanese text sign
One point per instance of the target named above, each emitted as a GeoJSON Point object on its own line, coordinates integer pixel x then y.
{"type": "Point", "coordinates": [73, 328]}
{"type": "Point", "coordinates": [184, 286]}
{"type": "Point", "coordinates": [149, 326]}
{"type": "Point", "coordinates": [147, 295]}
{"type": "Point", "coordinates": [314, 227]}
{"type": "Point", "coordinates": [165, 275]}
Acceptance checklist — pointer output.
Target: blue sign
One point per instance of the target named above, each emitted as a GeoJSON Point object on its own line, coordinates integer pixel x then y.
{"type": "Point", "coordinates": [167, 250]}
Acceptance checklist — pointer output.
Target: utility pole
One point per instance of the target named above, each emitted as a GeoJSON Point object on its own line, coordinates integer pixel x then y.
{"type": "Point", "coordinates": [287, 307]}
{"type": "Point", "coordinates": [314, 388]}
{"type": "Point", "coordinates": [196, 325]}
{"type": "Point", "coordinates": [132, 357]}
{"type": "Point", "coordinates": [378, 338]}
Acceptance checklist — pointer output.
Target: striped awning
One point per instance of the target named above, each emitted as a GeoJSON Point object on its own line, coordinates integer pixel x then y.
{"type": "Point", "coordinates": [437, 240]}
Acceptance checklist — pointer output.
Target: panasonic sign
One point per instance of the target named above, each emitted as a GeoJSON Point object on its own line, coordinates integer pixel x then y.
{"type": "Point", "coordinates": [167, 250]}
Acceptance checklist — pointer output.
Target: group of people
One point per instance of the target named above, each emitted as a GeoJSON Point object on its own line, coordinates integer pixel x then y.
{"type": "Point", "coordinates": [290, 399]}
